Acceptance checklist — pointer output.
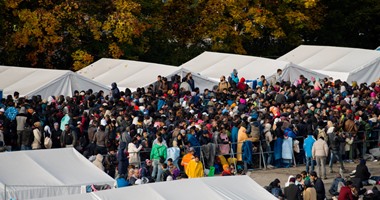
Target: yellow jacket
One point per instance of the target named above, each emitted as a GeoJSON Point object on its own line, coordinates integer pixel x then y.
{"type": "Point", "coordinates": [194, 169]}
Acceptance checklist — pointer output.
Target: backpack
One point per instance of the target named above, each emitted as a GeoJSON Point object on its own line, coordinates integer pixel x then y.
{"type": "Point", "coordinates": [322, 133]}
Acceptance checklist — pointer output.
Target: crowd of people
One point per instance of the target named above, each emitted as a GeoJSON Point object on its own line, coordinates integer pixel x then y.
{"type": "Point", "coordinates": [309, 186]}
{"type": "Point", "coordinates": [172, 130]}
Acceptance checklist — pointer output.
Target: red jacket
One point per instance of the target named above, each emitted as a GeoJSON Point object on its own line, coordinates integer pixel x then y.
{"type": "Point", "coordinates": [346, 194]}
{"type": "Point", "coordinates": [241, 85]}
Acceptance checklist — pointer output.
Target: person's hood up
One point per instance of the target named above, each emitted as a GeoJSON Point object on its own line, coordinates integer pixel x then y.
{"type": "Point", "coordinates": [113, 85]}
{"type": "Point", "coordinates": [99, 158]}
{"type": "Point", "coordinates": [242, 80]}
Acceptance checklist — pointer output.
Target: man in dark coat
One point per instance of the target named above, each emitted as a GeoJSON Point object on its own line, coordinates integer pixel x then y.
{"type": "Point", "coordinates": [318, 185]}
{"type": "Point", "coordinates": [362, 172]}
{"type": "Point", "coordinates": [292, 192]}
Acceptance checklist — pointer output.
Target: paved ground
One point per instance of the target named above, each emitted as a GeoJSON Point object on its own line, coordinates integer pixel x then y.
{"type": "Point", "coordinates": [264, 177]}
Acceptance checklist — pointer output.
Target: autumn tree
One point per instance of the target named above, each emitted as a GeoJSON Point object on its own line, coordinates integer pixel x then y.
{"type": "Point", "coordinates": [69, 33]}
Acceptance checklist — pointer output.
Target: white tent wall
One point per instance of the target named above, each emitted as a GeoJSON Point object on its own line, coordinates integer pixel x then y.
{"type": "Point", "coordinates": [368, 73]}
{"type": "Point", "coordinates": [216, 188]}
{"type": "Point", "coordinates": [133, 74]}
{"type": "Point", "coordinates": [214, 65]}
{"type": "Point", "coordinates": [47, 173]}
{"type": "Point", "coordinates": [338, 62]}
{"type": "Point", "coordinates": [44, 82]}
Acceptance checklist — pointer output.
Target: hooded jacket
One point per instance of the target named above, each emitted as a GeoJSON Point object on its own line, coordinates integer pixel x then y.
{"type": "Point", "coordinates": [115, 91]}
{"type": "Point", "coordinates": [241, 85]}
{"type": "Point", "coordinates": [98, 162]}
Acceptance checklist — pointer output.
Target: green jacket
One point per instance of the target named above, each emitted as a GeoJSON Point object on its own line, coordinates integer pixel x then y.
{"type": "Point", "coordinates": [157, 151]}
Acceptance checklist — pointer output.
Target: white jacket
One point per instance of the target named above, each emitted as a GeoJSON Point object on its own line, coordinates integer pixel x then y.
{"type": "Point", "coordinates": [133, 151]}
{"type": "Point", "coordinates": [320, 148]}
{"type": "Point", "coordinates": [36, 144]}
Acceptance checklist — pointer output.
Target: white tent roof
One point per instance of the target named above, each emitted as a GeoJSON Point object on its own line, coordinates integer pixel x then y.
{"type": "Point", "coordinates": [222, 187]}
{"type": "Point", "coordinates": [214, 65]}
{"type": "Point", "coordinates": [133, 74]}
{"type": "Point", "coordinates": [347, 64]}
{"type": "Point", "coordinates": [44, 82]}
{"type": "Point", "coordinates": [46, 173]}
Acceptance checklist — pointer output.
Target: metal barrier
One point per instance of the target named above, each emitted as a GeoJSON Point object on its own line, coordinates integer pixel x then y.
{"type": "Point", "coordinates": [264, 154]}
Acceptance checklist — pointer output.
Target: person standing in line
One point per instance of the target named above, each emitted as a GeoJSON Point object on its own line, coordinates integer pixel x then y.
{"type": "Point", "coordinates": [158, 154]}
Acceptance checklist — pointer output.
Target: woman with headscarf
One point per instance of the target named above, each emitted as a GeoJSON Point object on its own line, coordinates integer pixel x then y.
{"type": "Point", "coordinates": [36, 144]}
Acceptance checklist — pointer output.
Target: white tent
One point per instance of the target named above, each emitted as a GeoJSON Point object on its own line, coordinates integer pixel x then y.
{"type": "Point", "coordinates": [133, 74]}
{"type": "Point", "coordinates": [47, 173]}
{"type": "Point", "coordinates": [214, 65]}
{"type": "Point", "coordinates": [44, 82]}
{"type": "Point", "coordinates": [347, 64]}
{"type": "Point", "coordinates": [222, 187]}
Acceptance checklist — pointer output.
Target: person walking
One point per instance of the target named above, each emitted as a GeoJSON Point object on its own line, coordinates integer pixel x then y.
{"type": "Point", "coordinates": [308, 147]}
{"type": "Point", "coordinates": [320, 151]}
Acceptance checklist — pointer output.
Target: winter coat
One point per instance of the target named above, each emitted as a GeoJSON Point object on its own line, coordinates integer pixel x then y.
{"type": "Point", "coordinates": [26, 137]}
{"type": "Point", "coordinates": [320, 148]}
{"type": "Point", "coordinates": [320, 189]}
{"type": "Point", "coordinates": [115, 91]}
{"type": "Point", "coordinates": [98, 162]}
{"type": "Point", "coordinates": [346, 194]}
{"type": "Point", "coordinates": [21, 122]}
{"type": "Point", "coordinates": [308, 145]}
{"type": "Point", "coordinates": [134, 157]}
{"type": "Point", "coordinates": [287, 148]}
{"type": "Point", "coordinates": [292, 192]}
{"type": "Point", "coordinates": [241, 85]}
{"type": "Point", "coordinates": [36, 144]}
{"type": "Point", "coordinates": [122, 159]}
{"type": "Point", "coordinates": [278, 148]}
{"type": "Point", "coordinates": [310, 194]}
{"type": "Point", "coordinates": [362, 172]}
{"type": "Point", "coordinates": [242, 136]}
{"type": "Point", "coordinates": [158, 151]}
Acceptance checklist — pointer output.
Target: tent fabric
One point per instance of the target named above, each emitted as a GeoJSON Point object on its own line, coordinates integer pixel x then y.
{"type": "Point", "coordinates": [133, 74]}
{"type": "Point", "coordinates": [47, 173]}
{"type": "Point", "coordinates": [44, 82]}
{"type": "Point", "coordinates": [214, 65]}
{"type": "Point", "coordinates": [347, 64]}
{"type": "Point", "coordinates": [221, 187]}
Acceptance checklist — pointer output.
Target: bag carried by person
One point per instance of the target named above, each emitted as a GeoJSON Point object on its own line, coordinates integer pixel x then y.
{"type": "Point", "coordinates": [48, 143]}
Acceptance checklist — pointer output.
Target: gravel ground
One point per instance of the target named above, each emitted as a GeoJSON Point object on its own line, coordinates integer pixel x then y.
{"type": "Point", "coordinates": [264, 177]}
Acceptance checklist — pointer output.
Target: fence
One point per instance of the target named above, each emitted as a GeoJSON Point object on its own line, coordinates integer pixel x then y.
{"type": "Point", "coordinates": [262, 155]}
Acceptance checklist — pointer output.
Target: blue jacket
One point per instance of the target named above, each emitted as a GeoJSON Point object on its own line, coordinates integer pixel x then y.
{"type": "Point", "coordinates": [287, 148]}
{"type": "Point", "coordinates": [247, 152]}
{"type": "Point", "coordinates": [234, 136]}
{"type": "Point", "coordinates": [234, 78]}
{"type": "Point", "coordinates": [308, 145]}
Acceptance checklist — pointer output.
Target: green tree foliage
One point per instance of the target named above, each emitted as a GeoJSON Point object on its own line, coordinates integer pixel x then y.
{"type": "Point", "coordinates": [71, 34]}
